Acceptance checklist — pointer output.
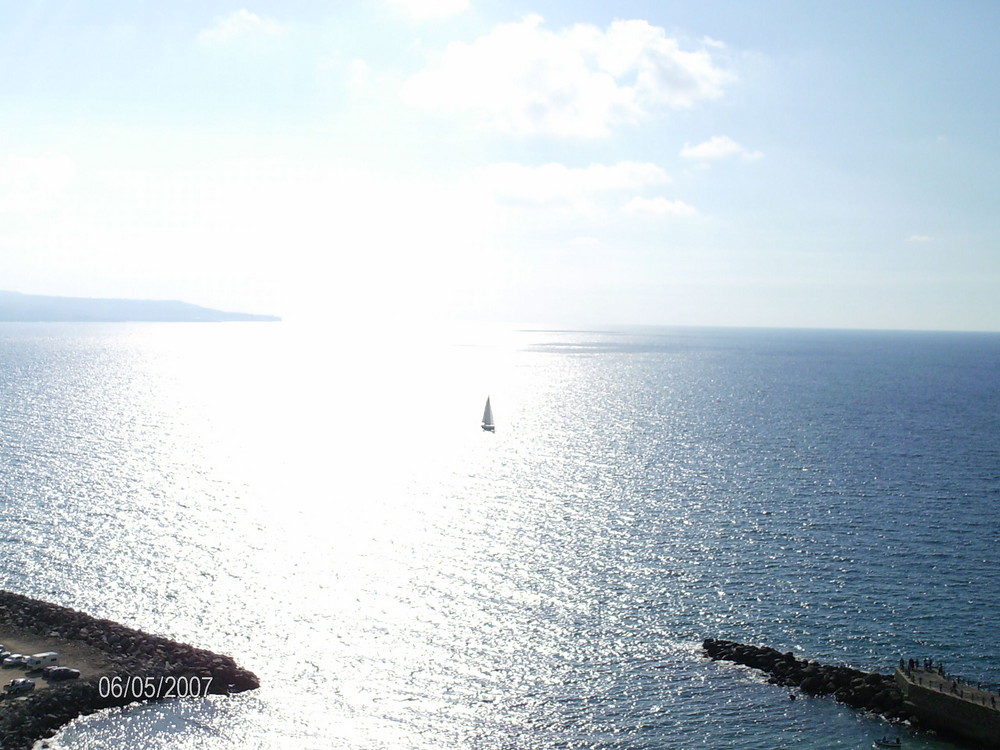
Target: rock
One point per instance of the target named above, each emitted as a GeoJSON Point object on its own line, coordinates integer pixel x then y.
{"type": "Point", "coordinates": [134, 654]}
{"type": "Point", "coordinates": [810, 685]}
{"type": "Point", "coordinates": [870, 691]}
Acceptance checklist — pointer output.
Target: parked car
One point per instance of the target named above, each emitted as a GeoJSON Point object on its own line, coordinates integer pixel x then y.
{"type": "Point", "coordinates": [15, 660]}
{"type": "Point", "coordinates": [20, 685]}
{"type": "Point", "coordinates": [60, 673]}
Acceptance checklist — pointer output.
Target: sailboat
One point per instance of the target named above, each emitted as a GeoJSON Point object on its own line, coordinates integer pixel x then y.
{"type": "Point", "coordinates": [488, 417]}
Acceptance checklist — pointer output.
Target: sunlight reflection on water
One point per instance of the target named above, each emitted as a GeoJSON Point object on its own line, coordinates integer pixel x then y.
{"type": "Point", "coordinates": [322, 505]}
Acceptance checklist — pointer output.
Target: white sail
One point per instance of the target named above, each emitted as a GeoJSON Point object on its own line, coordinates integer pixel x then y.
{"type": "Point", "coordinates": [488, 417]}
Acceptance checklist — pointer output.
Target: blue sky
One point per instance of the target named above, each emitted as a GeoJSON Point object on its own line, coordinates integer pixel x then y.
{"type": "Point", "coordinates": [578, 164]}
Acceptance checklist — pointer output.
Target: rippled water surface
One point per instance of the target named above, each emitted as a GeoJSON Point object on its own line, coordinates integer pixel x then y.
{"type": "Point", "coordinates": [322, 505]}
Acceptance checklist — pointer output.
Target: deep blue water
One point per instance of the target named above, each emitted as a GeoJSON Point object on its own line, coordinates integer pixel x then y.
{"type": "Point", "coordinates": [322, 505]}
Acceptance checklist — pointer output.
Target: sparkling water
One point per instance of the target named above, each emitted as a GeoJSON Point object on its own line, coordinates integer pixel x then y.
{"type": "Point", "coordinates": [321, 504]}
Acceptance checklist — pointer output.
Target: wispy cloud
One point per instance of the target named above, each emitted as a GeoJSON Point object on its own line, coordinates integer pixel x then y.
{"type": "Point", "coordinates": [423, 9]}
{"type": "Point", "coordinates": [719, 147]}
{"type": "Point", "coordinates": [582, 81]}
{"type": "Point", "coordinates": [921, 238]}
{"type": "Point", "coordinates": [659, 207]}
{"type": "Point", "coordinates": [359, 75]}
{"type": "Point", "coordinates": [241, 23]}
{"type": "Point", "coordinates": [558, 185]}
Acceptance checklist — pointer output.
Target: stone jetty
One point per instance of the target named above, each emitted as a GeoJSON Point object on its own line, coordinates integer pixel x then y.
{"type": "Point", "coordinates": [869, 691]}
{"type": "Point", "coordinates": [923, 698]}
{"type": "Point", "coordinates": [140, 667]}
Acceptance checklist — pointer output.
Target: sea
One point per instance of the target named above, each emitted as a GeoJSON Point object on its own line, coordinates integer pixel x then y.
{"type": "Point", "coordinates": [320, 503]}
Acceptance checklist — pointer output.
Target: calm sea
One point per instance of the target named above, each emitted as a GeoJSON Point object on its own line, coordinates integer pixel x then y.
{"type": "Point", "coordinates": [321, 504]}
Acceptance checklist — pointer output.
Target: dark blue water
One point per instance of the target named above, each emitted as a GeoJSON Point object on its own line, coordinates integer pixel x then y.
{"type": "Point", "coordinates": [325, 508]}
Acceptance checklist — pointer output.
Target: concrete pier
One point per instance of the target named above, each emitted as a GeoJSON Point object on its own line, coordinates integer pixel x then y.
{"type": "Point", "coordinates": [952, 707]}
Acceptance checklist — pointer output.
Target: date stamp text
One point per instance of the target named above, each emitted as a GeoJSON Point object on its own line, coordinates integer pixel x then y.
{"type": "Point", "coordinates": [137, 687]}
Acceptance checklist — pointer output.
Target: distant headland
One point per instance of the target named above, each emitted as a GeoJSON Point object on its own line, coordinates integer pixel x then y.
{"type": "Point", "coordinates": [38, 308]}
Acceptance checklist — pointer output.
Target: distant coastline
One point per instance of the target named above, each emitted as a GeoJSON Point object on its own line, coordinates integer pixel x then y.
{"type": "Point", "coordinates": [16, 307]}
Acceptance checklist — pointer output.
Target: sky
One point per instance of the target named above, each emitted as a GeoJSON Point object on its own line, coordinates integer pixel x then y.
{"type": "Point", "coordinates": [566, 163]}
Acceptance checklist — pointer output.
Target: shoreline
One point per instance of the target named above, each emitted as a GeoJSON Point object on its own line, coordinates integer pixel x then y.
{"type": "Point", "coordinates": [119, 665]}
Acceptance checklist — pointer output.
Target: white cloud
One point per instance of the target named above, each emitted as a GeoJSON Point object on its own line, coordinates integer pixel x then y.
{"type": "Point", "coordinates": [240, 23]}
{"type": "Point", "coordinates": [30, 183]}
{"type": "Point", "coordinates": [658, 207]}
{"type": "Point", "coordinates": [423, 9]}
{"type": "Point", "coordinates": [920, 238]}
{"type": "Point", "coordinates": [559, 185]}
{"type": "Point", "coordinates": [359, 75]}
{"type": "Point", "coordinates": [582, 81]}
{"type": "Point", "coordinates": [719, 147]}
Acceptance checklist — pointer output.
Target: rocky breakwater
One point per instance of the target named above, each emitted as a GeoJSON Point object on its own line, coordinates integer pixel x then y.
{"type": "Point", "coordinates": [143, 667]}
{"type": "Point", "coordinates": [868, 691]}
